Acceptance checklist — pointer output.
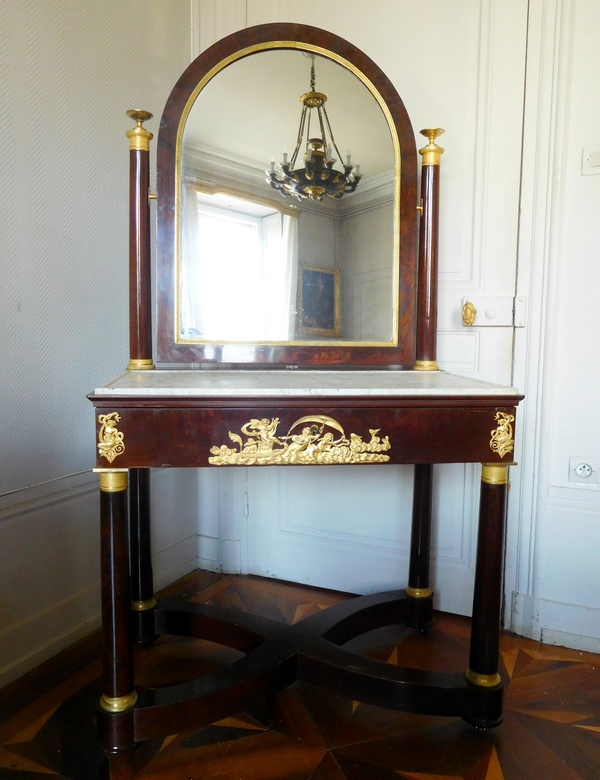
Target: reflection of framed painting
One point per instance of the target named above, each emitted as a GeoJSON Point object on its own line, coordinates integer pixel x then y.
{"type": "Point", "coordinates": [319, 302]}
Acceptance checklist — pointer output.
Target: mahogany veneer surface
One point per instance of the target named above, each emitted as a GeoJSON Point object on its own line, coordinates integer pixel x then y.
{"type": "Point", "coordinates": [551, 729]}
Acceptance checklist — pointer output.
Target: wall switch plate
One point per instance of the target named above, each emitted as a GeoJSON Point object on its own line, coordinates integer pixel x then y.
{"type": "Point", "coordinates": [584, 470]}
{"type": "Point", "coordinates": [590, 160]}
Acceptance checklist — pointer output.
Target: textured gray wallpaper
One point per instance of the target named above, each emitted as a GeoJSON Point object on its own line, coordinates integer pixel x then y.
{"type": "Point", "coordinates": [69, 69]}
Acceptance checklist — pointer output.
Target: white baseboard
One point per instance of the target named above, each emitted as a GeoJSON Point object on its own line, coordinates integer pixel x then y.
{"type": "Point", "coordinates": [230, 555]}
{"type": "Point", "coordinates": [588, 644]}
{"type": "Point", "coordinates": [556, 623]}
{"type": "Point", "coordinates": [50, 597]}
{"type": "Point", "coordinates": [208, 553]}
{"type": "Point", "coordinates": [32, 641]}
{"type": "Point", "coordinates": [27, 644]}
{"type": "Point", "coordinates": [49, 569]}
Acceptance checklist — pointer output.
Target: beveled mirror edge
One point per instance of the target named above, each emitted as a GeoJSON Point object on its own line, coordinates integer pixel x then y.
{"type": "Point", "coordinates": [301, 353]}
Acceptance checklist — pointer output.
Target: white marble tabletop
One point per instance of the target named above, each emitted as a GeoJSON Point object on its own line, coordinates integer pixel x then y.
{"type": "Point", "coordinates": [273, 383]}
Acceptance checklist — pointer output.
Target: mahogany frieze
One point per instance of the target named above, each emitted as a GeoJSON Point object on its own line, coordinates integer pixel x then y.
{"type": "Point", "coordinates": [190, 436]}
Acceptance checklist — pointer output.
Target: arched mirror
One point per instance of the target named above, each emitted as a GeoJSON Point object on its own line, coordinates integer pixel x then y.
{"type": "Point", "coordinates": [287, 207]}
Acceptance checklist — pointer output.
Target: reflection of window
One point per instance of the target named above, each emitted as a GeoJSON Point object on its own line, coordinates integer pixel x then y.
{"type": "Point", "coordinates": [230, 248]}
{"type": "Point", "coordinates": [236, 272]}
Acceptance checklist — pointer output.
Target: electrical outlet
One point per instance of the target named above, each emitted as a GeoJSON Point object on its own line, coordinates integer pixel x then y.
{"type": "Point", "coordinates": [584, 470]}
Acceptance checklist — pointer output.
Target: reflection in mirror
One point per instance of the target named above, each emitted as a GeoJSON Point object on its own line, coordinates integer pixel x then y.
{"type": "Point", "coordinates": [316, 177]}
{"type": "Point", "coordinates": [256, 267]}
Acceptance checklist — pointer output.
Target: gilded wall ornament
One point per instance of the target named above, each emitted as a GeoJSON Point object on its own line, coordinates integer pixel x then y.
{"type": "Point", "coordinates": [502, 440]}
{"type": "Point", "coordinates": [306, 443]}
{"type": "Point", "coordinates": [110, 440]}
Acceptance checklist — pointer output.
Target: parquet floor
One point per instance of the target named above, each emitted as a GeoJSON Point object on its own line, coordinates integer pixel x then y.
{"type": "Point", "coordinates": [551, 729]}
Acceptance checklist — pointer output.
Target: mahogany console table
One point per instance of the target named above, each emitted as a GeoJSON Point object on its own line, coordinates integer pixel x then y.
{"type": "Point", "coordinates": [352, 399]}
{"type": "Point", "coordinates": [216, 418]}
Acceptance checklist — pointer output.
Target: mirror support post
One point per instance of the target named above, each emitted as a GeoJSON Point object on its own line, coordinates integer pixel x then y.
{"type": "Point", "coordinates": [428, 253]}
{"type": "Point", "coordinates": [140, 317]}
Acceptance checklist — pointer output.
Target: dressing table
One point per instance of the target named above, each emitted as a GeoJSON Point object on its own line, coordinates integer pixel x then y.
{"type": "Point", "coordinates": [366, 392]}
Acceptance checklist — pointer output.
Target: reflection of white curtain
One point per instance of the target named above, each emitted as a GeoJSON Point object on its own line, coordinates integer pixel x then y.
{"type": "Point", "coordinates": [290, 247]}
{"type": "Point", "coordinates": [189, 268]}
{"type": "Point", "coordinates": [280, 272]}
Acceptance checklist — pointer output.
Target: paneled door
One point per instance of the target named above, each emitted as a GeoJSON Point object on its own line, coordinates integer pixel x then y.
{"type": "Point", "coordinates": [460, 66]}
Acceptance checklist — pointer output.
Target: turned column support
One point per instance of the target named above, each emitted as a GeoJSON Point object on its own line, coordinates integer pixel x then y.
{"type": "Point", "coordinates": [140, 556]}
{"type": "Point", "coordinates": [140, 302]}
{"type": "Point", "coordinates": [428, 253]}
{"type": "Point", "coordinates": [118, 697]}
{"type": "Point", "coordinates": [418, 590]}
{"type": "Point", "coordinates": [487, 597]}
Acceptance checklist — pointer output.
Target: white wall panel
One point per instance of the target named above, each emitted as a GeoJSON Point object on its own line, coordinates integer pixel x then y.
{"type": "Point", "coordinates": [49, 573]}
{"type": "Point", "coordinates": [553, 534]}
{"type": "Point", "coordinates": [50, 561]}
{"type": "Point", "coordinates": [351, 529]}
{"type": "Point", "coordinates": [68, 72]}
{"type": "Point", "coordinates": [214, 19]}
{"type": "Point", "coordinates": [461, 66]}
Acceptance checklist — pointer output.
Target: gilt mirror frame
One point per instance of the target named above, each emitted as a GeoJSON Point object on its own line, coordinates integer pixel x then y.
{"type": "Point", "coordinates": [401, 349]}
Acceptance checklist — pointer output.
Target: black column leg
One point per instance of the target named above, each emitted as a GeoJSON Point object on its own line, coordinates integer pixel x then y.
{"type": "Point", "coordinates": [115, 719]}
{"type": "Point", "coordinates": [140, 556]}
{"type": "Point", "coordinates": [487, 598]}
{"type": "Point", "coordinates": [421, 595]}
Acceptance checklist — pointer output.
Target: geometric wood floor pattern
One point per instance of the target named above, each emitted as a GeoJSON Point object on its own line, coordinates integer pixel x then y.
{"type": "Point", "coordinates": [551, 729]}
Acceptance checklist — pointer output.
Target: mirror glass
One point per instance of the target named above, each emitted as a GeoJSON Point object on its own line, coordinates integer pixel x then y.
{"type": "Point", "coordinates": [255, 263]}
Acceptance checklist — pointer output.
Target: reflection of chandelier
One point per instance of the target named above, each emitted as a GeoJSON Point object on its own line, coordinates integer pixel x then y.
{"type": "Point", "coordinates": [317, 177]}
